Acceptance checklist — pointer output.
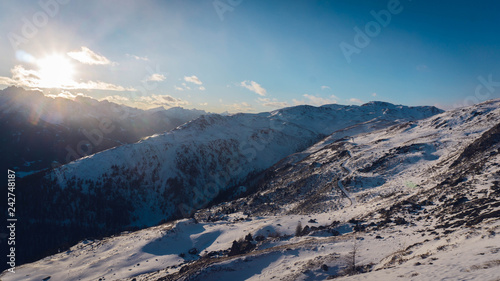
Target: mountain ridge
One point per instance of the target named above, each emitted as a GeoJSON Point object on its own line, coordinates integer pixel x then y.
{"type": "Point", "coordinates": [421, 203]}
{"type": "Point", "coordinates": [41, 132]}
{"type": "Point", "coordinates": [172, 175]}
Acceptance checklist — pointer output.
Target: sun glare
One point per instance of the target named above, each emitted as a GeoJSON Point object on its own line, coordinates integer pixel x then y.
{"type": "Point", "coordinates": [55, 71]}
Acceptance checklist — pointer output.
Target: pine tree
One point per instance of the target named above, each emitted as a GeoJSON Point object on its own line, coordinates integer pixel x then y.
{"type": "Point", "coordinates": [298, 229]}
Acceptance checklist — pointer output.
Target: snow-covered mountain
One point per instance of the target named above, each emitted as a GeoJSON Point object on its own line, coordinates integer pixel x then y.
{"type": "Point", "coordinates": [415, 153]}
{"type": "Point", "coordinates": [172, 175]}
{"type": "Point", "coordinates": [415, 201]}
{"type": "Point", "coordinates": [212, 153]}
{"type": "Point", "coordinates": [40, 132]}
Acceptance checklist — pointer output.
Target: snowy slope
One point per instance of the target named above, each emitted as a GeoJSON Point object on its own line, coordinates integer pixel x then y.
{"type": "Point", "coordinates": [41, 132]}
{"type": "Point", "coordinates": [424, 205]}
{"type": "Point", "coordinates": [172, 175]}
{"type": "Point", "coordinates": [214, 153]}
{"type": "Point", "coordinates": [388, 160]}
{"type": "Point", "coordinates": [410, 252]}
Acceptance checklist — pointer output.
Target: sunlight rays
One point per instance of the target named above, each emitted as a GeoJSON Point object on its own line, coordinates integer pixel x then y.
{"type": "Point", "coordinates": [55, 71]}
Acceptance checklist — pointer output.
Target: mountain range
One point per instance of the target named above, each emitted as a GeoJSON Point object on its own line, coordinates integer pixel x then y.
{"type": "Point", "coordinates": [41, 132]}
{"type": "Point", "coordinates": [171, 175]}
{"type": "Point", "coordinates": [303, 193]}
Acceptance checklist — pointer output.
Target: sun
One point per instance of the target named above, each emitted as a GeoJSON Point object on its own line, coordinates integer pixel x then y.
{"type": "Point", "coordinates": [55, 71]}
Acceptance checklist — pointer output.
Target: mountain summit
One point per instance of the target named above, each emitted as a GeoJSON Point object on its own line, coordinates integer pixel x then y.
{"type": "Point", "coordinates": [418, 200]}
{"type": "Point", "coordinates": [172, 175]}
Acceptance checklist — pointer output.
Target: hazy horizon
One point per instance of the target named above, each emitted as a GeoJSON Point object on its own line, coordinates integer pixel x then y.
{"type": "Point", "coordinates": [253, 56]}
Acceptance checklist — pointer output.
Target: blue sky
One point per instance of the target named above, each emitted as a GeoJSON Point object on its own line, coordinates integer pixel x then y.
{"type": "Point", "coordinates": [253, 55]}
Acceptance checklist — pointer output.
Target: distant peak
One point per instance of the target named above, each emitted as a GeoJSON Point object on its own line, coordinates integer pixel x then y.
{"type": "Point", "coordinates": [156, 109]}
{"type": "Point", "coordinates": [19, 92]}
{"type": "Point", "coordinates": [378, 103]}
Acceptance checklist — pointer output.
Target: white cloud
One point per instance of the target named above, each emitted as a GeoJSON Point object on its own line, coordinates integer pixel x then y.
{"type": "Point", "coordinates": [192, 79]}
{"type": "Point", "coordinates": [68, 95]}
{"type": "Point", "coordinates": [254, 87]}
{"type": "Point", "coordinates": [239, 107]}
{"type": "Point", "coordinates": [25, 56]}
{"type": "Point", "coordinates": [316, 101]}
{"type": "Point", "coordinates": [99, 85]}
{"type": "Point", "coordinates": [374, 94]}
{"type": "Point", "coordinates": [354, 100]}
{"type": "Point", "coordinates": [185, 87]}
{"type": "Point", "coordinates": [325, 88]}
{"type": "Point", "coordinates": [148, 102]}
{"type": "Point", "coordinates": [116, 99]}
{"type": "Point", "coordinates": [138, 57]}
{"type": "Point", "coordinates": [87, 56]}
{"type": "Point", "coordinates": [7, 81]}
{"type": "Point", "coordinates": [272, 103]}
{"type": "Point", "coordinates": [25, 77]}
{"type": "Point", "coordinates": [156, 77]}
{"type": "Point", "coordinates": [422, 67]}
{"type": "Point", "coordinates": [162, 100]}
{"type": "Point", "coordinates": [31, 78]}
